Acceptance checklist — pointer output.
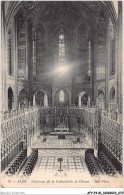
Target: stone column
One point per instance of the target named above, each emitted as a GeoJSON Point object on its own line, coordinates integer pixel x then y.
{"type": "Point", "coordinates": [92, 76]}
{"type": "Point", "coordinates": [108, 61]}
{"type": "Point", "coordinates": [94, 64]}
{"type": "Point", "coordinates": [30, 62]}
{"type": "Point", "coordinates": [26, 50]}
{"type": "Point", "coordinates": [3, 60]}
{"type": "Point", "coordinates": [79, 101]}
{"type": "Point", "coordinates": [116, 71]}
{"type": "Point", "coordinates": [34, 53]}
{"type": "Point", "coordinates": [45, 100]}
{"type": "Point", "coordinates": [119, 59]}
{"type": "Point", "coordinates": [15, 49]}
{"type": "Point", "coordinates": [34, 100]}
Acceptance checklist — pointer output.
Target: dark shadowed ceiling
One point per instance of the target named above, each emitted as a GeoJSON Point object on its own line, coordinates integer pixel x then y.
{"type": "Point", "coordinates": [56, 12]}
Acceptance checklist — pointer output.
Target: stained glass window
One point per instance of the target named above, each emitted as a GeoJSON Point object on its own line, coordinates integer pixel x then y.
{"type": "Point", "coordinates": [61, 96]}
{"type": "Point", "coordinates": [100, 69]}
{"type": "Point", "coordinates": [61, 52]}
{"type": "Point", "coordinates": [21, 62]}
{"type": "Point", "coordinates": [113, 57]}
{"type": "Point", "coordinates": [10, 68]}
{"type": "Point", "coordinates": [113, 47]}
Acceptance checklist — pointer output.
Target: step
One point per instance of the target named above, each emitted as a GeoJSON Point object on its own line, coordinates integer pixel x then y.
{"type": "Point", "coordinates": [62, 133]}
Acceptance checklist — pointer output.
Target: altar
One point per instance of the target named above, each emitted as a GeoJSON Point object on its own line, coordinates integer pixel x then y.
{"type": "Point", "coordinates": [61, 123]}
{"type": "Point", "coordinates": [61, 129]}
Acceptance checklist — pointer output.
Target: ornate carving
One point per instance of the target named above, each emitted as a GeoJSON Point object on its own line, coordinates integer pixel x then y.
{"type": "Point", "coordinates": [100, 68]}
{"type": "Point", "coordinates": [50, 11]}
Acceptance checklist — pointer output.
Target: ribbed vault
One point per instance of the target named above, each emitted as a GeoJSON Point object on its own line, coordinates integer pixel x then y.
{"type": "Point", "coordinates": [48, 11]}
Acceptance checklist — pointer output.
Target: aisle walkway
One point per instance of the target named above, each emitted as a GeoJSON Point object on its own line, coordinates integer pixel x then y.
{"type": "Point", "coordinates": [68, 164]}
{"type": "Point", "coordinates": [73, 162]}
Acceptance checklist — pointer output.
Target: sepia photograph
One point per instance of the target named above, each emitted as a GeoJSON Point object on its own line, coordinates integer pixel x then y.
{"type": "Point", "coordinates": [61, 94]}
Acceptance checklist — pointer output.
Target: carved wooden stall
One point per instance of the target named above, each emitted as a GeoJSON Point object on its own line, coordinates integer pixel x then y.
{"type": "Point", "coordinates": [17, 129]}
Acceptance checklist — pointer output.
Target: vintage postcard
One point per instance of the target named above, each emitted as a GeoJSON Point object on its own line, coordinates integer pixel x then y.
{"type": "Point", "coordinates": [61, 94]}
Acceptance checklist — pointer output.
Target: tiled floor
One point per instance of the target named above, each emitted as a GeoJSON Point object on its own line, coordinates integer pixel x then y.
{"type": "Point", "coordinates": [76, 163]}
{"type": "Point", "coordinates": [71, 152]}
{"type": "Point", "coordinates": [54, 142]}
{"type": "Point", "coordinates": [60, 152]}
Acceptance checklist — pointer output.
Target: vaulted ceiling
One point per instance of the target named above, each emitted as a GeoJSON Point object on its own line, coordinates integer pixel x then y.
{"type": "Point", "coordinates": [61, 12]}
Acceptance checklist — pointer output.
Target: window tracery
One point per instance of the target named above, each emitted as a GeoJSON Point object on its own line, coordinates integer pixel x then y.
{"type": "Point", "coordinates": [61, 96]}
{"type": "Point", "coordinates": [10, 67]}
{"type": "Point", "coordinates": [113, 56]}
{"type": "Point", "coordinates": [21, 62]}
{"type": "Point", "coordinates": [61, 53]}
{"type": "Point", "coordinates": [112, 47]}
{"type": "Point", "coordinates": [100, 69]}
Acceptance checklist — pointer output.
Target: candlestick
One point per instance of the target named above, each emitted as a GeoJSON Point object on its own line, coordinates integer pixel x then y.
{"type": "Point", "coordinates": [67, 109]}
{"type": "Point", "coordinates": [19, 105]}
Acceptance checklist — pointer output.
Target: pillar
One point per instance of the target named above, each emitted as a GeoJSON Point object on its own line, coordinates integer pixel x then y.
{"type": "Point", "coordinates": [119, 59]}
{"type": "Point", "coordinates": [108, 61]}
{"type": "Point", "coordinates": [34, 53]}
{"type": "Point", "coordinates": [3, 60]}
{"type": "Point", "coordinates": [34, 100]}
{"type": "Point", "coordinates": [94, 64]}
{"type": "Point", "coordinates": [79, 101]}
{"type": "Point", "coordinates": [15, 49]}
{"type": "Point", "coordinates": [91, 72]}
{"type": "Point", "coordinates": [30, 61]}
{"type": "Point", "coordinates": [26, 50]}
{"type": "Point", "coordinates": [45, 100]}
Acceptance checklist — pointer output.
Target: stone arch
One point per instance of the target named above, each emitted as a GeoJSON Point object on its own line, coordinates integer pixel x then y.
{"type": "Point", "coordinates": [82, 38]}
{"type": "Point", "coordinates": [66, 97]}
{"type": "Point", "coordinates": [112, 94]}
{"type": "Point", "coordinates": [83, 98]}
{"type": "Point", "coordinates": [75, 102]}
{"type": "Point", "coordinates": [10, 98]}
{"type": "Point", "coordinates": [101, 99]}
{"type": "Point", "coordinates": [82, 26]}
{"type": "Point", "coordinates": [56, 34]}
{"type": "Point", "coordinates": [41, 32]}
{"type": "Point", "coordinates": [41, 46]}
{"type": "Point", "coordinates": [112, 102]}
{"type": "Point", "coordinates": [57, 31]}
{"type": "Point", "coordinates": [23, 99]}
{"type": "Point", "coordinates": [40, 98]}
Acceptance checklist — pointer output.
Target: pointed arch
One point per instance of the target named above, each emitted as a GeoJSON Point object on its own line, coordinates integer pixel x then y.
{"type": "Point", "coordinates": [23, 99]}
{"type": "Point", "coordinates": [40, 98]}
{"type": "Point", "coordinates": [10, 98]}
{"type": "Point", "coordinates": [83, 99]}
{"type": "Point", "coordinates": [112, 94]}
{"type": "Point", "coordinates": [100, 99]}
{"type": "Point", "coordinates": [61, 96]}
{"type": "Point", "coordinates": [112, 102]}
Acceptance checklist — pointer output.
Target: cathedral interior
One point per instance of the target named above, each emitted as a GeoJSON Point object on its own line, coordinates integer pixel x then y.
{"type": "Point", "coordinates": [61, 89]}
